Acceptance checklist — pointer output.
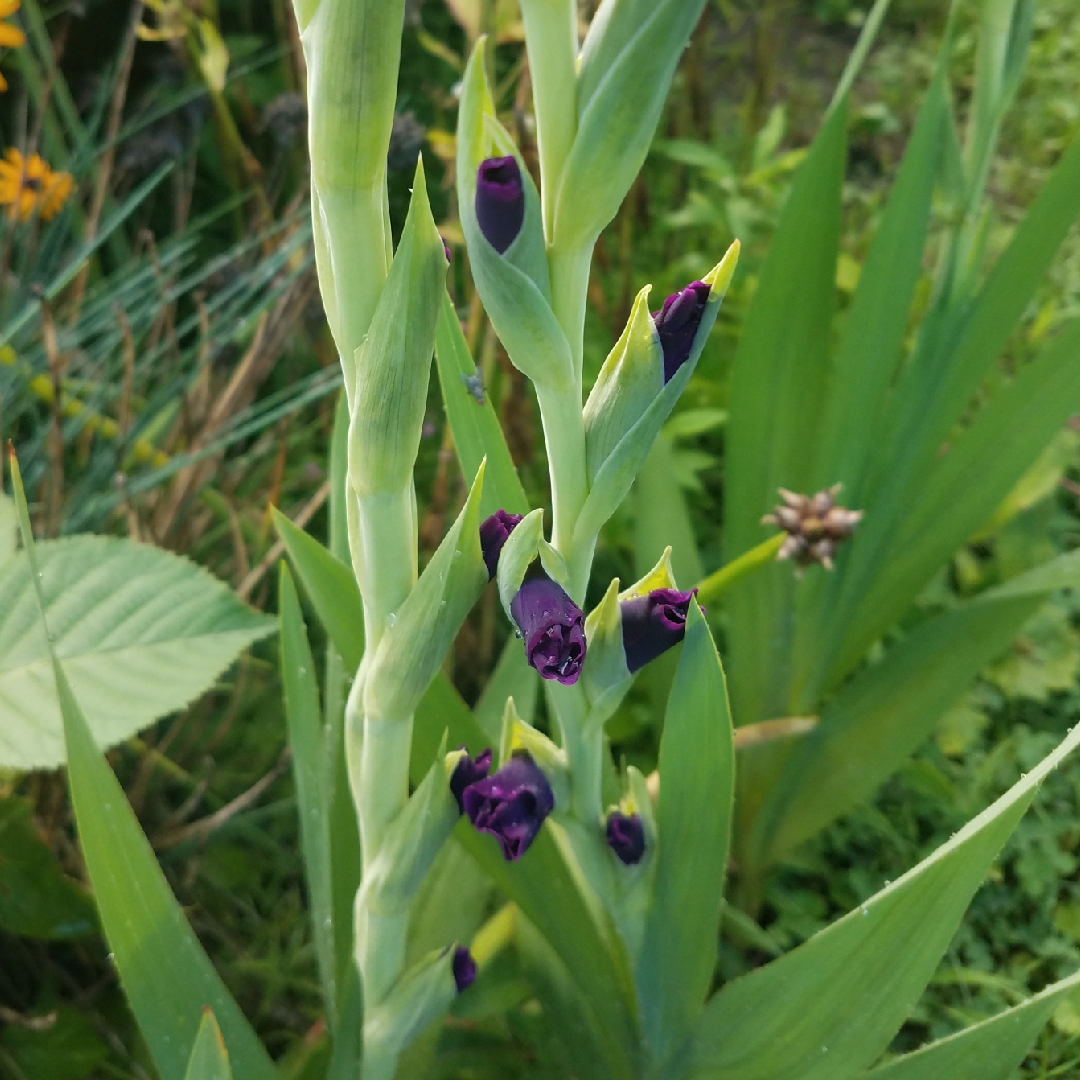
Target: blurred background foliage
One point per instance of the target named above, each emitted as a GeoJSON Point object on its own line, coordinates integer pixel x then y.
{"type": "Point", "coordinates": [166, 373]}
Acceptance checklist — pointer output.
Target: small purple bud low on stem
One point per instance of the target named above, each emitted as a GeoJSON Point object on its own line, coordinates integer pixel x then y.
{"type": "Point", "coordinates": [553, 627]}
{"type": "Point", "coordinates": [500, 201]}
{"type": "Point", "coordinates": [677, 323]}
{"type": "Point", "coordinates": [511, 805]}
{"type": "Point", "coordinates": [494, 532]}
{"type": "Point", "coordinates": [626, 837]}
{"type": "Point", "coordinates": [468, 771]}
{"type": "Point", "coordinates": [464, 967]}
{"type": "Point", "coordinates": [652, 624]}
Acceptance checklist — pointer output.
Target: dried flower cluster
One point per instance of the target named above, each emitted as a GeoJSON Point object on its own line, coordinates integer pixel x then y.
{"type": "Point", "coordinates": [815, 524]}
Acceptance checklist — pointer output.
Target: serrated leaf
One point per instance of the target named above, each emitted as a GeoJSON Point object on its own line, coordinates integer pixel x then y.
{"type": "Point", "coordinates": [167, 977]}
{"type": "Point", "coordinates": [209, 1059]}
{"type": "Point", "coordinates": [141, 632]}
{"type": "Point", "coordinates": [826, 1010]}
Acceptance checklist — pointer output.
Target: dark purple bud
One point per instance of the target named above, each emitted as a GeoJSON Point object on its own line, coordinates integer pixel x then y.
{"type": "Point", "coordinates": [652, 624]}
{"type": "Point", "coordinates": [553, 628]}
{"type": "Point", "coordinates": [511, 805]}
{"type": "Point", "coordinates": [494, 532]}
{"type": "Point", "coordinates": [677, 323]}
{"type": "Point", "coordinates": [500, 201]}
{"type": "Point", "coordinates": [446, 248]}
{"type": "Point", "coordinates": [467, 771]}
{"type": "Point", "coordinates": [626, 837]}
{"type": "Point", "coordinates": [464, 968]}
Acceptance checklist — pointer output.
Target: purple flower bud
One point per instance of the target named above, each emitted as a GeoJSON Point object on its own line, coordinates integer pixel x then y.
{"type": "Point", "coordinates": [511, 805]}
{"type": "Point", "coordinates": [446, 248]}
{"type": "Point", "coordinates": [494, 532]}
{"type": "Point", "coordinates": [626, 837]}
{"type": "Point", "coordinates": [553, 628]}
{"type": "Point", "coordinates": [467, 771]}
{"type": "Point", "coordinates": [464, 968]}
{"type": "Point", "coordinates": [677, 323]}
{"type": "Point", "coordinates": [500, 201]}
{"type": "Point", "coordinates": [652, 624]}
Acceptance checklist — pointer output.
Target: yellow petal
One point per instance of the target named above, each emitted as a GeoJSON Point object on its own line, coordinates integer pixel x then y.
{"type": "Point", "coordinates": [3, 83]}
{"type": "Point", "coordinates": [11, 37]}
{"type": "Point", "coordinates": [8, 7]}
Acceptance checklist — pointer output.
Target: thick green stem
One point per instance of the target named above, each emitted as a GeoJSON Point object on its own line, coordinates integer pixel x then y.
{"type": "Point", "coordinates": [569, 272]}
{"type": "Point", "coordinates": [564, 434]}
{"type": "Point", "coordinates": [552, 45]}
{"type": "Point", "coordinates": [353, 264]}
{"type": "Point", "coordinates": [386, 539]}
{"type": "Point", "coordinates": [716, 584]}
{"type": "Point", "coordinates": [583, 742]}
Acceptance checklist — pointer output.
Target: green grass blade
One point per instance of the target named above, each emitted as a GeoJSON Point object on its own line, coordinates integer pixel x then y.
{"type": "Point", "coordinates": [874, 329]}
{"type": "Point", "coordinates": [330, 586]}
{"type": "Point", "coordinates": [828, 1009]}
{"type": "Point", "coordinates": [209, 1059]}
{"type": "Point", "coordinates": [991, 1050]}
{"type": "Point", "coordinates": [941, 380]}
{"type": "Point", "coordinates": [303, 715]}
{"type": "Point", "coordinates": [697, 777]}
{"type": "Point", "coordinates": [475, 426]}
{"type": "Point", "coordinates": [167, 977]}
{"type": "Point", "coordinates": [879, 718]}
{"type": "Point", "coordinates": [662, 518]}
{"type": "Point", "coordinates": [778, 387]}
{"type": "Point", "coordinates": [967, 485]}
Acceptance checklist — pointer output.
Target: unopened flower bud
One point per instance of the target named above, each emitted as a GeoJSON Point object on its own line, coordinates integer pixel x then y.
{"type": "Point", "coordinates": [511, 805]}
{"type": "Point", "coordinates": [494, 532]}
{"type": "Point", "coordinates": [468, 771]}
{"type": "Point", "coordinates": [500, 201]}
{"type": "Point", "coordinates": [815, 525]}
{"type": "Point", "coordinates": [626, 836]}
{"type": "Point", "coordinates": [552, 626]}
{"type": "Point", "coordinates": [652, 624]}
{"type": "Point", "coordinates": [677, 324]}
{"type": "Point", "coordinates": [464, 967]}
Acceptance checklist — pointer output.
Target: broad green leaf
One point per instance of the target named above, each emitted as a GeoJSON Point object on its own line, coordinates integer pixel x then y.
{"type": "Point", "coordinates": [141, 632]}
{"type": "Point", "coordinates": [167, 977]}
{"type": "Point", "coordinates": [880, 717]}
{"type": "Point", "coordinates": [37, 899]}
{"type": "Point", "coordinates": [413, 647]}
{"type": "Point", "coordinates": [630, 61]}
{"type": "Point", "coordinates": [943, 376]}
{"type": "Point", "coordinates": [330, 586]}
{"type": "Point", "coordinates": [874, 328]}
{"type": "Point", "coordinates": [475, 426]}
{"type": "Point", "coordinates": [697, 776]}
{"type": "Point", "coordinates": [303, 715]}
{"type": "Point", "coordinates": [393, 365]}
{"type": "Point", "coordinates": [778, 387]}
{"type": "Point", "coordinates": [968, 483]}
{"type": "Point", "coordinates": [990, 1050]}
{"type": "Point", "coordinates": [209, 1059]}
{"type": "Point", "coordinates": [827, 1010]}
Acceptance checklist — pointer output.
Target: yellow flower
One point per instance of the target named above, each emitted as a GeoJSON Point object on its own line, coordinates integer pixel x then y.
{"type": "Point", "coordinates": [29, 185]}
{"type": "Point", "coordinates": [11, 37]}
